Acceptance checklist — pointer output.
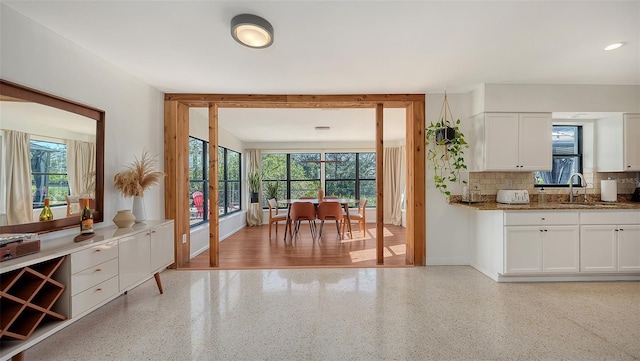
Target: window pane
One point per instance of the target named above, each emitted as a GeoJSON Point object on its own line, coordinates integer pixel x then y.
{"type": "Point", "coordinates": [368, 191]}
{"type": "Point", "coordinates": [274, 166]}
{"type": "Point", "coordinates": [367, 165]}
{"type": "Point", "coordinates": [340, 166]}
{"type": "Point", "coordinates": [563, 167]}
{"type": "Point", "coordinates": [196, 158]}
{"type": "Point", "coordinates": [304, 188]}
{"type": "Point", "coordinates": [233, 165]}
{"type": "Point", "coordinates": [341, 188]}
{"type": "Point", "coordinates": [220, 163]}
{"type": "Point", "coordinates": [233, 196]}
{"type": "Point", "coordinates": [48, 173]}
{"type": "Point", "coordinates": [305, 166]}
{"type": "Point", "coordinates": [567, 158]}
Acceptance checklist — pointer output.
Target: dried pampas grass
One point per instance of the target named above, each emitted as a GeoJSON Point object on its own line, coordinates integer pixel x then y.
{"type": "Point", "coordinates": [138, 177]}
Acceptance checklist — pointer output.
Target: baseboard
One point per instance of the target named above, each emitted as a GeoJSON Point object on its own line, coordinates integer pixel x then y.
{"type": "Point", "coordinates": [447, 262]}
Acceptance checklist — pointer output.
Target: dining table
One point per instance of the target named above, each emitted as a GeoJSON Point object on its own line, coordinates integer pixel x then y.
{"type": "Point", "coordinates": [343, 201]}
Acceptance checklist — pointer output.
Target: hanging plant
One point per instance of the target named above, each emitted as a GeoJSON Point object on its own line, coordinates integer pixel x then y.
{"type": "Point", "coordinates": [445, 149]}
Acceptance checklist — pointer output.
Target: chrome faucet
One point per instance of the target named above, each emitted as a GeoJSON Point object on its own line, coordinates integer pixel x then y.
{"type": "Point", "coordinates": [583, 183]}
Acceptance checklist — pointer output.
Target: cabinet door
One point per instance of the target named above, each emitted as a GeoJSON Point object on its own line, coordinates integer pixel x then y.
{"type": "Point", "coordinates": [628, 248]}
{"type": "Point", "coordinates": [523, 250]}
{"type": "Point", "coordinates": [133, 259]}
{"type": "Point", "coordinates": [561, 249]}
{"type": "Point", "coordinates": [501, 141]}
{"type": "Point", "coordinates": [162, 247]}
{"type": "Point", "coordinates": [631, 143]}
{"type": "Point", "coordinates": [598, 248]}
{"type": "Point", "coordinates": [534, 135]}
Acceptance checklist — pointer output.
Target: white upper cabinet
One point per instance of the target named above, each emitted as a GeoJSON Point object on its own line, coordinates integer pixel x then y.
{"type": "Point", "coordinates": [617, 146]}
{"type": "Point", "coordinates": [512, 142]}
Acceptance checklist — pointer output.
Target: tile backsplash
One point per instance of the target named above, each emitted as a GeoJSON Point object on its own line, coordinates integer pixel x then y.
{"type": "Point", "coordinates": [488, 183]}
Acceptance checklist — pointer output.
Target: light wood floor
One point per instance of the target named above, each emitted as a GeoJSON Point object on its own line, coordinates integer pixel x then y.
{"type": "Point", "coordinates": [251, 248]}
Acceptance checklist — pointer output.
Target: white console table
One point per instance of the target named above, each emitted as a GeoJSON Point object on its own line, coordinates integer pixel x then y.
{"type": "Point", "coordinates": [67, 280]}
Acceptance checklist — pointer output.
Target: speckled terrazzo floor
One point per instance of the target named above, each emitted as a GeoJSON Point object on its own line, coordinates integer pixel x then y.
{"type": "Point", "coordinates": [422, 313]}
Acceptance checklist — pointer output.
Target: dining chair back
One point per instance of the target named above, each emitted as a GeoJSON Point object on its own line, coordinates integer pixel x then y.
{"type": "Point", "coordinates": [73, 206]}
{"type": "Point", "coordinates": [359, 217]}
{"type": "Point", "coordinates": [274, 216]}
{"type": "Point", "coordinates": [303, 211]}
{"type": "Point", "coordinates": [330, 211]}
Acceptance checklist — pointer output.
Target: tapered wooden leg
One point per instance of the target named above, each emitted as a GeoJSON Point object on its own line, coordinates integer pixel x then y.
{"type": "Point", "coordinates": [18, 357]}
{"type": "Point", "coordinates": [158, 281]}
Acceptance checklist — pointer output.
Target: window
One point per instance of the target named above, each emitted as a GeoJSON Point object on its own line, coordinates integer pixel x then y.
{"type": "Point", "coordinates": [228, 181]}
{"type": "Point", "coordinates": [198, 180]}
{"type": "Point", "coordinates": [347, 175]}
{"type": "Point", "coordinates": [351, 175]}
{"type": "Point", "coordinates": [567, 157]}
{"type": "Point", "coordinates": [48, 172]}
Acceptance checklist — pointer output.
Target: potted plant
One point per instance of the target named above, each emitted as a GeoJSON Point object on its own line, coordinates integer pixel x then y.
{"type": "Point", "coordinates": [255, 180]}
{"type": "Point", "coordinates": [272, 189]}
{"type": "Point", "coordinates": [445, 150]}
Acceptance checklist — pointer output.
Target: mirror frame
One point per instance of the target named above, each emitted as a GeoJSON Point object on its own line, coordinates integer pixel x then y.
{"type": "Point", "coordinates": [14, 90]}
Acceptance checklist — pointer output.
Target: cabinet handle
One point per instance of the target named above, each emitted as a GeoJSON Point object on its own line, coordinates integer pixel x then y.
{"type": "Point", "coordinates": [98, 250]}
{"type": "Point", "coordinates": [621, 230]}
{"type": "Point", "coordinates": [98, 269]}
{"type": "Point", "coordinates": [98, 289]}
{"type": "Point", "coordinates": [543, 218]}
{"type": "Point", "coordinates": [541, 231]}
{"type": "Point", "coordinates": [617, 230]}
{"type": "Point", "coordinates": [153, 231]}
{"type": "Point", "coordinates": [545, 230]}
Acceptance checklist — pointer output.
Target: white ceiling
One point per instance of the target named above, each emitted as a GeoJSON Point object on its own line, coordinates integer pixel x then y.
{"type": "Point", "coordinates": [354, 47]}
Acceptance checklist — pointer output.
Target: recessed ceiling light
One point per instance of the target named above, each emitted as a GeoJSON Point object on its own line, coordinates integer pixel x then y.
{"type": "Point", "coordinates": [613, 46]}
{"type": "Point", "coordinates": [252, 31]}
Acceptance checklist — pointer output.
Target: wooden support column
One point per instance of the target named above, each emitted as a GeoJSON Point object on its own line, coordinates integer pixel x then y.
{"type": "Point", "coordinates": [214, 220]}
{"type": "Point", "coordinates": [176, 185]}
{"type": "Point", "coordinates": [379, 184]}
{"type": "Point", "coordinates": [416, 185]}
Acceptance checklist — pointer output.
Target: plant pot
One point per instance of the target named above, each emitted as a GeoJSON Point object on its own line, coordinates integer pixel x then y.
{"type": "Point", "coordinates": [254, 197]}
{"type": "Point", "coordinates": [445, 135]}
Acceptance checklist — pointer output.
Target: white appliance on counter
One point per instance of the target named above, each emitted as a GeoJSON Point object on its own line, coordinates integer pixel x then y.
{"type": "Point", "coordinates": [513, 196]}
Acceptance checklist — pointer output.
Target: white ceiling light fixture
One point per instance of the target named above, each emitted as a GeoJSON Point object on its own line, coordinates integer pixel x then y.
{"type": "Point", "coordinates": [252, 31]}
{"type": "Point", "coordinates": [614, 46]}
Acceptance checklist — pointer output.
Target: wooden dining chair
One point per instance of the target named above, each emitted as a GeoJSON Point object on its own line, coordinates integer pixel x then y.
{"type": "Point", "coordinates": [274, 216]}
{"type": "Point", "coordinates": [330, 211]}
{"type": "Point", "coordinates": [359, 217]}
{"type": "Point", "coordinates": [303, 211]}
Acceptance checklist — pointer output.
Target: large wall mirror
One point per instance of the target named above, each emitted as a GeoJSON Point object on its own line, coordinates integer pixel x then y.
{"type": "Point", "coordinates": [50, 148]}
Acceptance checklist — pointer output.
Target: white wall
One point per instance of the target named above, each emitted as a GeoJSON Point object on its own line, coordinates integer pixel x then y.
{"type": "Point", "coordinates": [556, 98]}
{"type": "Point", "coordinates": [448, 227]}
{"type": "Point", "coordinates": [36, 57]}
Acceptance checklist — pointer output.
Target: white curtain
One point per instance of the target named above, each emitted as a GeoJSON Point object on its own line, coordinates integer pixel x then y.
{"type": "Point", "coordinates": [18, 179]}
{"type": "Point", "coordinates": [81, 168]}
{"type": "Point", "coordinates": [394, 184]}
{"type": "Point", "coordinates": [254, 212]}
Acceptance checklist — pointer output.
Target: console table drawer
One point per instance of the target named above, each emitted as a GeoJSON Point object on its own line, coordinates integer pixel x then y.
{"type": "Point", "coordinates": [93, 256]}
{"type": "Point", "coordinates": [92, 276]}
{"type": "Point", "coordinates": [94, 296]}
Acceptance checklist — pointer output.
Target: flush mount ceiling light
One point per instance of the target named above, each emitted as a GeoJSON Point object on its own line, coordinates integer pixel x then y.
{"type": "Point", "coordinates": [614, 46]}
{"type": "Point", "coordinates": [252, 31]}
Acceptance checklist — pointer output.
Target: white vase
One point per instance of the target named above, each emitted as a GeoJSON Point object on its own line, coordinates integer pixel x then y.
{"type": "Point", "coordinates": [138, 209]}
{"type": "Point", "coordinates": [124, 218]}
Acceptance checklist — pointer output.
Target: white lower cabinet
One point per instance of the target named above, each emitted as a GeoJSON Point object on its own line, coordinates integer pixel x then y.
{"type": "Point", "coordinates": [629, 248]}
{"type": "Point", "coordinates": [134, 259]}
{"type": "Point", "coordinates": [560, 249]}
{"type": "Point", "coordinates": [161, 247]}
{"type": "Point", "coordinates": [610, 241]}
{"type": "Point", "coordinates": [541, 242]}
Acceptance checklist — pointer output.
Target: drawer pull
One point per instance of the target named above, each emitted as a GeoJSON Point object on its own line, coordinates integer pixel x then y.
{"type": "Point", "coordinates": [98, 269]}
{"type": "Point", "coordinates": [98, 250]}
{"type": "Point", "coordinates": [98, 289]}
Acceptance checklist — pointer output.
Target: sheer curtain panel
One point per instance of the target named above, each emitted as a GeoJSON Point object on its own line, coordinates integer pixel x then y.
{"type": "Point", "coordinates": [19, 195]}
{"type": "Point", "coordinates": [81, 168]}
{"type": "Point", "coordinates": [394, 184]}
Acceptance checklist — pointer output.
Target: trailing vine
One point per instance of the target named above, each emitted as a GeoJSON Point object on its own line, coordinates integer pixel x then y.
{"type": "Point", "coordinates": [445, 151]}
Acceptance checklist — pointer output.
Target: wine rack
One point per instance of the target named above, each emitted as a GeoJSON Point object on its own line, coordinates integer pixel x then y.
{"type": "Point", "coordinates": [27, 296]}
